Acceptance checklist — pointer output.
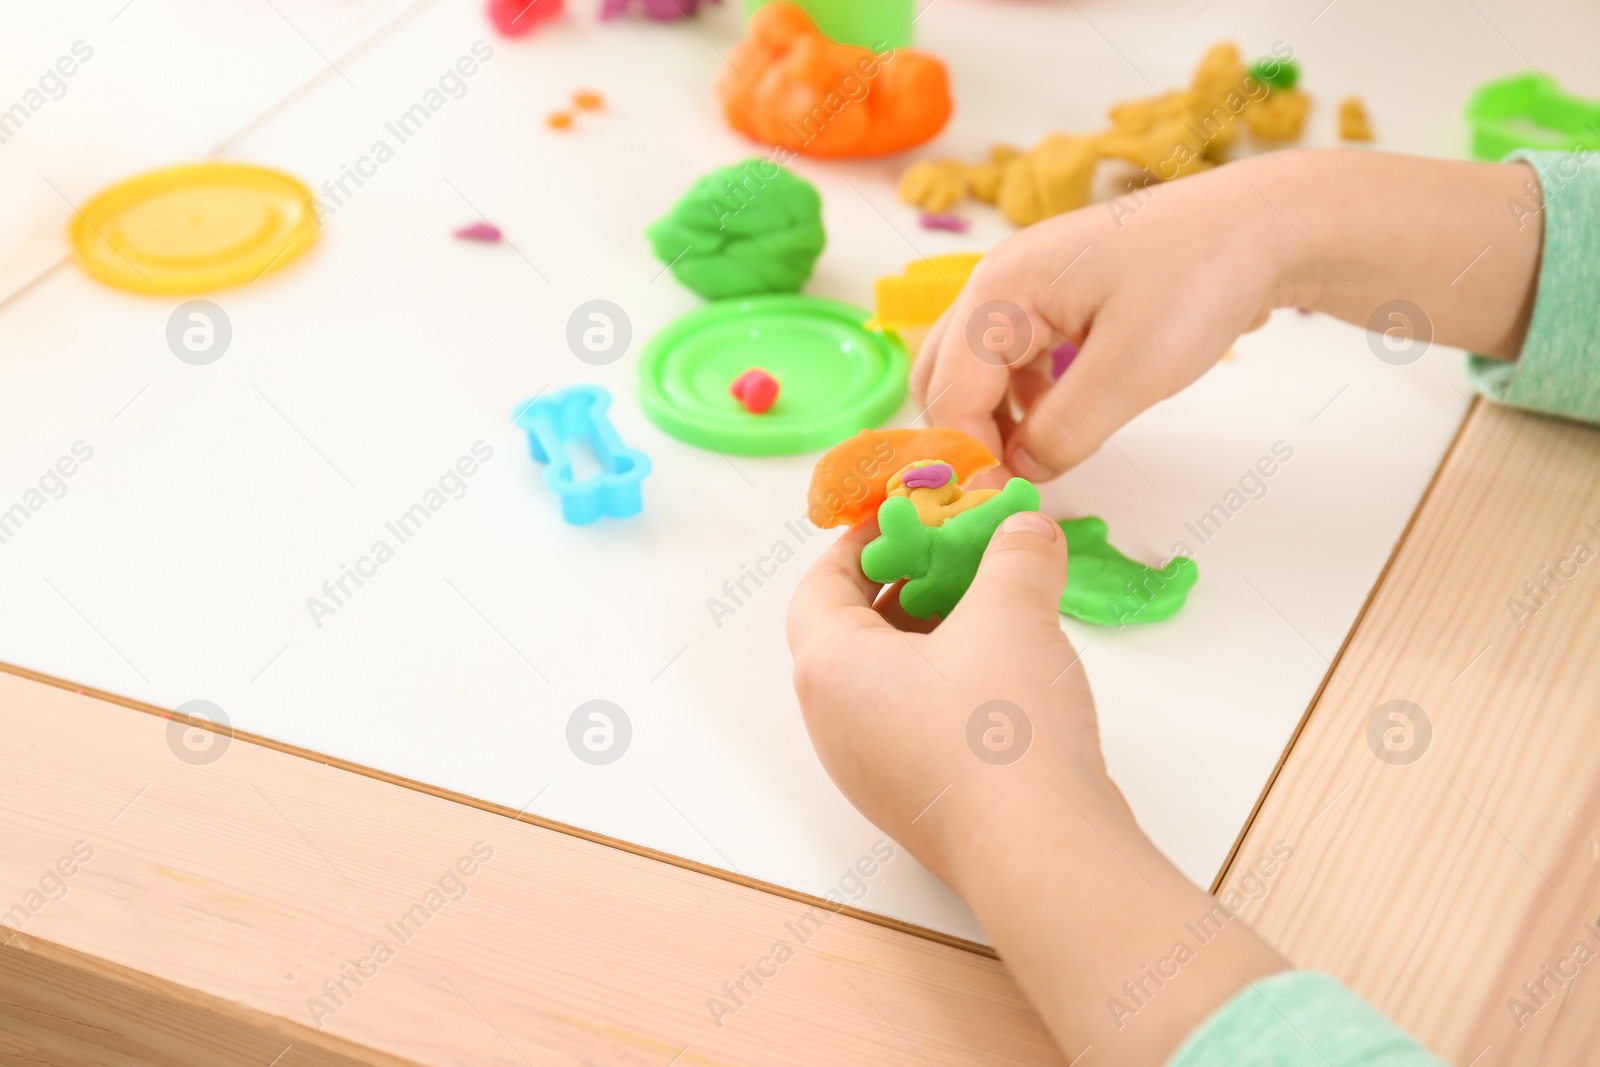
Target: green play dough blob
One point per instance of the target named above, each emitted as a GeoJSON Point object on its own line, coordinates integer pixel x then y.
{"type": "Point", "coordinates": [1106, 588]}
{"type": "Point", "coordinates": [1280, 75]}
{"type": "Point", "coordinates": [939, 561]}
{"type": "Point", "coordinates": [748, 228]}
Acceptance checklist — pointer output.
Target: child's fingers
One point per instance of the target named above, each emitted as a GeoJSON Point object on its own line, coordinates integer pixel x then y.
{"type": "Point", "coordinates": [922, 367]}
{"type": "Point", "coordinates": [971, 380]}
{"type": "Point", "coordinates": [1028, 384]}
{"type": "Point", "coordinates": [1098, 394]}
{"type": "Point", "coordinates": [834, 592]}
{"type": "Point", "coordinates": [888, 606]}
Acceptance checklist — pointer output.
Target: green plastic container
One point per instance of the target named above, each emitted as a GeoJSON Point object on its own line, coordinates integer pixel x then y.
{"type": "Point", "coordinates": [1528, 111]}
{"type": "Point", "coordinates": [874, 24]}
{"type": "Point", "coordinates": [836, 376]}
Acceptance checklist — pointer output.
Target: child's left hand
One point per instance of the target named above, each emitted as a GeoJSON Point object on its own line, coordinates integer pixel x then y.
{"type": "Point", "coordinates": [889, 711]}
{"type": "Point", "coordinates": [1032, 833]}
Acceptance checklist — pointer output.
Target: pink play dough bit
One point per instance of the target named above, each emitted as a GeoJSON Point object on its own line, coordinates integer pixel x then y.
{"type": "Point", "coordinates": [1061, 358]}
{"type": "Point", "coordinates": [952, 223]}
{"type": "Point", "coordinates": [478, 231]}
{"type": "Point", "coordinates": [755, 389]}
{"type": "Point", "coordinates": [932, 476]}
{"type": "Point", "coordinates": [660, 10]}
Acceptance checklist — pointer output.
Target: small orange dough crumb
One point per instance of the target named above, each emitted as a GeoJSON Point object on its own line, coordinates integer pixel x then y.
{"type": "Point", "coordinates": [1353, 122]}
{"type": "Point", "coordinates": [558, 120]}
{"type": "Point", "coordinates": [588, 100]}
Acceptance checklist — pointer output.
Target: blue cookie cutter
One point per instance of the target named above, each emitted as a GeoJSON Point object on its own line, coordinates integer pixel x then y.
{"type": "Point", "coordinates": [552, 423]}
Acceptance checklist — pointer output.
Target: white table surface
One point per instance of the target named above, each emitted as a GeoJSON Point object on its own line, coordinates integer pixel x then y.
{"type": "Point", "coordinates": [151, 81]}
{"type": "Point", "coordinates": [178, 564]}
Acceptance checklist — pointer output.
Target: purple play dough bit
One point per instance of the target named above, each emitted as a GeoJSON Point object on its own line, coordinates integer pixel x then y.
{"type": "Point", "coordinates": [660, 10]}
{"type": "Point", "coordinates": [478, 231]}
{"type": "Point", "coordinates": [931, 476]}
{"type": "Point", "coordinates": [1061, 358]}
{"type": "Point", "coordinates": [953, 223]}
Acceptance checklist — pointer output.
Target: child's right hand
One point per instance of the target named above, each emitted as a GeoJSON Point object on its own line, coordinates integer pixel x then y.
{"type": "Point", "coordinates": [993, 708]}
{"type": "Point", "coordinates": [1152, 287]}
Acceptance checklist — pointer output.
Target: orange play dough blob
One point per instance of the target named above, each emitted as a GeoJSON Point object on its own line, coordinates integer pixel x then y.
{"type": "Point", "coordinates": [786, 84]}
{"type": "Point", "coordinates": [852, 478]}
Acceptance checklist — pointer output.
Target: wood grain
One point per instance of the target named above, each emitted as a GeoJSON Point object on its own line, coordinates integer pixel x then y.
{"type": "Point", "coordinates": [1436, 887]}
{"type": "Point", "coordinates": [216, 900]}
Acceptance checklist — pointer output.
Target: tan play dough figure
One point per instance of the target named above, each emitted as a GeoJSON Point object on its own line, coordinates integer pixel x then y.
{"type": "Point", "coordinates": [935, 502]}
{"type": "Point", "coordinates": [983, 179]}
{"type": "Point", "coordinates": [1280, 117]}
{"type": "Point", "coordinates": [1158, 135]}
{"type": "Point", "coordinates": [1186, 131]}
{"type": "Point", "coordinates": [934, 185]}
{"type": "Point", "coordinates": [1353, 122]}
{"type": "Point", "coordinates": [1167, 136]}
{"type": "Point", "coordinates": [1050, 179]}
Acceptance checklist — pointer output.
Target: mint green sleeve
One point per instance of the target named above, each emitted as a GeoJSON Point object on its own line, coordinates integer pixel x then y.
{"type": "Point", "coordinates": [1559, 369]}
{"type": "Point", "coordinates": [1299, 1019]}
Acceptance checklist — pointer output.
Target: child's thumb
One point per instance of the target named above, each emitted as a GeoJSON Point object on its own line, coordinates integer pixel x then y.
{"type": "Point", "coordinates": [1022, 573]}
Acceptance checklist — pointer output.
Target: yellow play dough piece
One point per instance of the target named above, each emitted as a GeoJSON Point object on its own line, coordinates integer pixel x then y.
{"type": "Point", "coordinates": [1050, 179]}
{"type": "Point", "coordinates": [934, 506]}
{"type": "Point", "coordinates": [194, 228]}
{"type": "Point", "coordinates": [1218, 94]}
{"type": "Point", "coordinates": [1280, 117]}
{"type": "Point", "coordinates": [1158, 135]}
{"type": "Point", "coordinates": [920, 295]}
{"type": "Point", "coordinates": [1353, 122]}
{"type": "Point", "coordinates": [1185, 131]}
{"type": "Point", "coordinates": [983, 179]}
{"type": "Point", "coordinates": [934, 186]}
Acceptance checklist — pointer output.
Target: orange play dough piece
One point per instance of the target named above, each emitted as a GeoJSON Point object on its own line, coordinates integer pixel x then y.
{"type": "Point", "coordinates": [852, 478]}
{"type": "Point", "coordinates": [786, 84]}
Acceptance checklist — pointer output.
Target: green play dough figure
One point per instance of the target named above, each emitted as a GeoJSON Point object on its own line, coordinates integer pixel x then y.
{"type": "Point", "coordinates": [1106, 588]}
{"type": "Point", "coordinates": [939, 561]}
{"type": "Point", "coordinates": [752, 227]}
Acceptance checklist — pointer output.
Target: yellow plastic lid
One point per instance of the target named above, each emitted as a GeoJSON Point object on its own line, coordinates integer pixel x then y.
{"type": "Point", "coordinates": [194, 228]}
{"type": "Point", "coordinates": [920, 295]}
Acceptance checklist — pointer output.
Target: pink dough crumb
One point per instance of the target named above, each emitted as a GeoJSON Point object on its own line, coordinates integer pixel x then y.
{"type": "Point", "coordinates": [478, 231]}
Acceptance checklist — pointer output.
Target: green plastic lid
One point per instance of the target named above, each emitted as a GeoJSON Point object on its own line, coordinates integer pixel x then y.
{"type": "Point", "coordinates": [835, 376]}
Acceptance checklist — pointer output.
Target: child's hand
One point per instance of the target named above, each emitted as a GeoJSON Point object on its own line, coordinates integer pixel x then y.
{"type": "Point", "coordinates": [1008, 803]}
{"type": "Point", "coordinates": [1152, 287]}
{"type": "Point", "coordinates": [1074, 896]}
{"type": "Point", "coordinates": [890, 712]}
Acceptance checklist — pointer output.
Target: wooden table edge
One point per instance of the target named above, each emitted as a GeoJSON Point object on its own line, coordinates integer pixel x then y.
{"type": "Point", "coordinates": [1344, 646]}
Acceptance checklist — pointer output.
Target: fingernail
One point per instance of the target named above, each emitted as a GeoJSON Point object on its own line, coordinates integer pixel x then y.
{"type": "Point", "coordinates": [1022, 461]}
{"type": "Point", "coordinates": [1030, 522]}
